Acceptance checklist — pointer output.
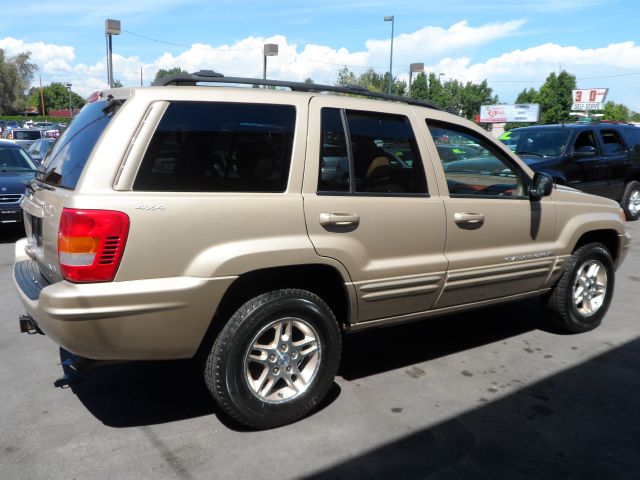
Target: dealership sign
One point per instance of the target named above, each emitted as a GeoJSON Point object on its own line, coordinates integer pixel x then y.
{"type": "Point", "coordinates": [589, 99]}
{"type": "Point", "coordinates": [522, 112]}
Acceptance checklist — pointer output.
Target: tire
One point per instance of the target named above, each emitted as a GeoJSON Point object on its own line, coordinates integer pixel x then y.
{"type": "Point", "coordinates": [631, 201]}
{"type": "Point", "coordinates": [569, 308]}
{"type": "Point", "coordinates": [275, 360]}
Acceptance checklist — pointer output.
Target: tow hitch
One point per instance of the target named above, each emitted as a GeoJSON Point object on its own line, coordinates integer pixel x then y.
{"type": "Point", "coordinates": [28, 325]}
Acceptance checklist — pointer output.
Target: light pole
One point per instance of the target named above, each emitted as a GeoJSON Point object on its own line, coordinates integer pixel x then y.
{"type": "Point", "coordinates": [414, 68]}
{"type": "Point", "coordinates": [440, 75]}
{"type": "Point", "coordinates": [111, 27]}
{"type": "Point", "coordinates": [269, 50]}
{"type": "Point", "coordinates": [68, 85]}
{"type": "Point", "coordinates": [391, 19]}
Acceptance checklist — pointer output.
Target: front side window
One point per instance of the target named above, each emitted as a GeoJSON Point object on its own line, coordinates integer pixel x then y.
{"type": "Point", "coordinates": [219, 147]}
{"type": "Point", "coordinates": [484, 172]}
{"type": "Point", "coordinates": [369, 152]}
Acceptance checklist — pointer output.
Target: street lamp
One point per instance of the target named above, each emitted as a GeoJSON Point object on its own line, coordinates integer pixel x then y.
{"type": "Point", "coordinates": [440, 75]}
{"type": "Point", "coordinates": [414, 68]}
{"type": "Point", "coordinates": [391, 19]}
{"type": "Point", "coordinates": [269, 50]}
{"type": "Point", "coordinates": [111, 27]}
{"type": "Point", "coordinates": [68, 85]}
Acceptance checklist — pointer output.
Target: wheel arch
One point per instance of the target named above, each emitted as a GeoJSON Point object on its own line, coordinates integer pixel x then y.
{"type": "Point", "coordinates": [609, 238]}
{"type": "Point", "coordinates": [321, 279]}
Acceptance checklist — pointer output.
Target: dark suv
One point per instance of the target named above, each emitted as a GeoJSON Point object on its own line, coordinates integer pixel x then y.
{"type": "Point", "coordinates": [603, 159]}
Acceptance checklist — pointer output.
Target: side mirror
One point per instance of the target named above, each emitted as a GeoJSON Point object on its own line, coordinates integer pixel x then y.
{"type": "Point", "coordinates": [541, 186]}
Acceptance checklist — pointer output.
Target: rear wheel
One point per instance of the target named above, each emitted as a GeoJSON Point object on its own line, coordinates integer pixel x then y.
{"type": "Point", "coordinates": [631, 200]}
{"type": "Point", "coordinates": [582, 296]}
{"type": "Point", "coordinates": [275, 359]}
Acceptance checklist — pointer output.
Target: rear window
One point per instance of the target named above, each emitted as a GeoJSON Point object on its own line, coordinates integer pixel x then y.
{"type": "Point", "coordinates": [70, 153]}
{"type": "Point", "coordinates": [219, 147]}
{"type": "Point", "coordinates": [27, 134]}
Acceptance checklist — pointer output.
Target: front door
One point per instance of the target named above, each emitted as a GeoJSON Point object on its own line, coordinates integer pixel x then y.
{"type": "Point", "coordinates": [499, 243]}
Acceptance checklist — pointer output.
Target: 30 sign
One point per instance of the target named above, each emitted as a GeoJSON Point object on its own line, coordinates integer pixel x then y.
{"type": "Point", "coordinates": [589, 99]}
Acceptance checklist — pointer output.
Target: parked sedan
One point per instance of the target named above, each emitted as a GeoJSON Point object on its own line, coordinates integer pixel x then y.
{"type": "Point", "coordinates": [39, 149]}
{"type": "Point", "coordinates": [16, 169]}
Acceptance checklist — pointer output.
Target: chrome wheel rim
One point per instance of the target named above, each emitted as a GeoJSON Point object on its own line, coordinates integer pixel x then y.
{"type": "Point", "coordinates": [590, 289]}
{"type": "Point", "coordinates": [634, 202]}
{"type": "Point", "coordinates": [282, 360]}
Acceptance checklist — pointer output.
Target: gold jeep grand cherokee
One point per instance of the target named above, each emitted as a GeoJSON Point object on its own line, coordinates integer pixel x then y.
{"type": "Point", "coordinates": [254, 226]}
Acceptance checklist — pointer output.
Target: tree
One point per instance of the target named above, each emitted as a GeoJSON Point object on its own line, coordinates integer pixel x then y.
{"type": "Point", "coordinates": [56, 97]}
{"type": "Point", "coordinates": [371, 80]}
{"type": "Point", "coordinates": [117, 84]}
{"type": "Point", "coordinates": [452, 95]}
{"type": "Point", "coordinates": [308, 81]}
{"type": "Point", "coordinates": [616, 112]}
{"type": "Point", "coordinates": [555, 98]}
{"type": "Point", "coordinates": [165, 73]}
{"type": "Point", "coordinates": [16, 74]}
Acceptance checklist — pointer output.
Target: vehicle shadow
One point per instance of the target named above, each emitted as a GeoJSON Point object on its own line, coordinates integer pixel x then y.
{"type": "Point", "coordinates": [581, 423]}
{"type": "Point", "coordinates": [148, 393]}
{"type": "Point", "coordinates": [400, 346]}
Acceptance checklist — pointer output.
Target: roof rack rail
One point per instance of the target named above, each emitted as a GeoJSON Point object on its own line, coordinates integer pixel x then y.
{"type": "Point", "coordinates": [215, 77]}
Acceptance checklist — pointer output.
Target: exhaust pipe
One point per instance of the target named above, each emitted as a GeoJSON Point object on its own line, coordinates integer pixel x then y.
{"type": "Point", "coordinates": [29, 325]}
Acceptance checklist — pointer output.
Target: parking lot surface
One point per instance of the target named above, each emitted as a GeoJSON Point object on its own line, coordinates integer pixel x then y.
{"type": "Point", "coordinates": [486, 394]}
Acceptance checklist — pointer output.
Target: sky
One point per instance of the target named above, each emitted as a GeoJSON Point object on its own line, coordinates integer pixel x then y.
{"type": "Point", "coordinates": [512, 44]}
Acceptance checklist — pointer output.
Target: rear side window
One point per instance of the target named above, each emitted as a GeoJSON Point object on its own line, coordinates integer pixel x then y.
{"type": "Point", "coordinates": [369, 152]}
{"type": "Point", "coordinates": [27, 134]}
{"type": "Point", "coordinates": [219, 147]}
{"type": "Point", "coordinates": [71, 151]}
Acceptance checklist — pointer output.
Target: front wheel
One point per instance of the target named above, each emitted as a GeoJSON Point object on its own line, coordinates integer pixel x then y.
{"type": "Point", "coordinates": [276, 358]}
{"type": "Point", "coordinates": [583, 293]}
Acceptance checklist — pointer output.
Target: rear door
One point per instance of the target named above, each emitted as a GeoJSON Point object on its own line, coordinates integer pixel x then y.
{"type": "Point", "coordinates": [370, 205]}
{"type": "Point", "coordinates": [55, 181]}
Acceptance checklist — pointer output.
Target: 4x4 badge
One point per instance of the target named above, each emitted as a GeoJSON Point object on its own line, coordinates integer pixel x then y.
{"type": "Point", "coordinates": [150, 208]}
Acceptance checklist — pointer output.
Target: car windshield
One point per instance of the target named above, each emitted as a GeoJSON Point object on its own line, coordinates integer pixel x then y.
{"type": "Point", "coordinates": [539, 142]}
{"type": "Point", "coordinates": [14, 159]}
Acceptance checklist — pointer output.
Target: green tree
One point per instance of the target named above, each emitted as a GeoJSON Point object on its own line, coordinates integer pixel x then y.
{"type": "Point", "coordinates": [117, 84]}
{"type": "Point", "coordinates": [555, 98]}
{"type": "Point", "coordinates": [616, 112]}
{"type": "Point", "coordinates": [56, 97]}
{"type": "Point", "coordinates": [165, 73]}
{"type": "Point", "coordinates": [308, 81]}
{"type": "Point", "coordinates": [371, 80]}
{"type": "Point", "coordinates": [452, 95]}
{"type": "Point", "coordinates": [16, 74]}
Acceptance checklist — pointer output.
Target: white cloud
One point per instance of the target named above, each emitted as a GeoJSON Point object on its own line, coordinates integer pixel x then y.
{"type": "Point", "coordinates": [442, 50]}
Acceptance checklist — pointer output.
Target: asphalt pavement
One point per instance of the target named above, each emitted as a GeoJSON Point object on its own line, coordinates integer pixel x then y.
{"type": "Point", "coordinates": [489, 394]}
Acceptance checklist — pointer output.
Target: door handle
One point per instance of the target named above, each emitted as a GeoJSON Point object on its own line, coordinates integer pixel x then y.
{"type": "Point", "coordinates": [339, 219]}
{"type": "Point", "coordinates": [468, 218]}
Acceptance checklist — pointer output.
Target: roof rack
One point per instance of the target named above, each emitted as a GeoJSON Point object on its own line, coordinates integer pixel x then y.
{"type": "Point", "coordinates": [215, 77]}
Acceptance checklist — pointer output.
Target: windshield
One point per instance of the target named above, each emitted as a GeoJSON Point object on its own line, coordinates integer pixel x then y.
{"type": "Point", "coordinates": [15, 160]}
{"type": "Point", "coordinates": [541, 142]}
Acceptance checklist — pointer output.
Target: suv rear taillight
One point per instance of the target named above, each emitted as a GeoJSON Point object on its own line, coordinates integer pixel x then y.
{"type": "Point", "coordinates": [91, 244]}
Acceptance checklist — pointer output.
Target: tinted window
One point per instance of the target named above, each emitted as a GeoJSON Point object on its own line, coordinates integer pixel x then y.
{"type": "Point", "coordinates": [334, 158]}
{"type": "Point", "coordinates": [383, 156]}
{"type": "Point", "coordinates": [538, 142]}
{"type": "Point", "coordinates": [633, 135]}
{"type": "Point", "coordinates": [613, 144]}
{"type": "Point", "coordinates": [26, 134]}
{"type": "Point", "coordinates": [15, 160]}
{"type": "Point", "coordinates": [71, 152]}
{"type": "Point", "coordinates": [220, 147]}
{"type": "Point", "coordinates": [486, 173]}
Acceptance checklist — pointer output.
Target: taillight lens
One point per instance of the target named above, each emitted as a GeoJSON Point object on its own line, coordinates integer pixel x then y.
{"type": "Point", "coordinates": [91, 244]}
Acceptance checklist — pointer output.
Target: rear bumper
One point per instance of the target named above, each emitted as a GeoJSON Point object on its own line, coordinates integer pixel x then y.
{"type": "Point", "coordinates": [164, 318]}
